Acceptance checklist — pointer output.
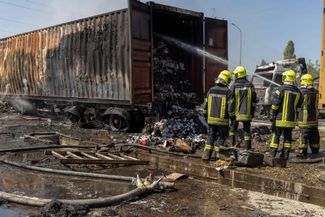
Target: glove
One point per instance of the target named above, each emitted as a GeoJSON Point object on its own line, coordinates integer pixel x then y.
{"type": "Point", "coordinates": [272, 119]}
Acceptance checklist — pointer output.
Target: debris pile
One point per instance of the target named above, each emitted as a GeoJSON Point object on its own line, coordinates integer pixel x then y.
{"type": "Point", "coordinates": [57, 209]}
{"type": "Point", "coordinates": [171, 85]}
{"type": "Point", "coordinates": [5, 107]}
{"type": "Point", "coordinates": [181, 131]}
{"type": "Point", "coordinates": [180, 128]}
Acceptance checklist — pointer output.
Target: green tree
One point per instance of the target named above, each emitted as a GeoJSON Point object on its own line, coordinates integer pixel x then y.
{"type": "Point", "coordinates": [263, 62]}
{"type": "Point", "coordinates": [289, 51]}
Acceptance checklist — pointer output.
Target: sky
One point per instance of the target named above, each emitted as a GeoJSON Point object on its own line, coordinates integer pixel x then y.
{"type": "Point", "coordinates": [267, 25]}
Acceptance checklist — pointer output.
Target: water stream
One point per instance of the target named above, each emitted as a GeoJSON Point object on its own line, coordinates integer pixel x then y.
{"type": "Point", "coordinates": [199, 51]}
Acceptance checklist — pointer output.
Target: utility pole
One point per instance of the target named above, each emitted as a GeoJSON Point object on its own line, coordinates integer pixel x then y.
{"type": "Point", "coordinates": [241, 41]}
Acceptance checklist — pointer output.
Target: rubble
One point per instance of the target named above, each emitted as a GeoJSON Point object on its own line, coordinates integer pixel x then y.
{"type": "Point", "coordinates": [171, 86]}
{"type": "Point", "coordinates": [250, 159]}
{"type": "Point", "coordinates": [5, 107]}
{"type": "Point", "coordinates": [274, 162]}
{"type": "Point", "coordinates": [58, 209]}
{"type": "Point", "coordinates": [175, 103]}
{"type": "Point", "coordinates": [169, 133]}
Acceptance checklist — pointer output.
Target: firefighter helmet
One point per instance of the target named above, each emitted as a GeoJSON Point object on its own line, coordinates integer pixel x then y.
{"type": "Point", "coordinates": [226, 76]}
{"type": "Point", "coordinates": [306, 79]}
{"type": "Point", "coordinates": [289, 76]}
{"type": "Point", "coordinates": [240, 72]}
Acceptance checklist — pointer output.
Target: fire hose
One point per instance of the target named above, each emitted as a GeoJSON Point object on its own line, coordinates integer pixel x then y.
{"type": "Point", "coordinates": [92, 203]}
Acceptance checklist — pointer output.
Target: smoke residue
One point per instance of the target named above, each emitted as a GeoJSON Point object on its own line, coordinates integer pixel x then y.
{"type": "Point", "coordinates": [21, 105]}
{"type": "Point", "coordinates": [17, 102]}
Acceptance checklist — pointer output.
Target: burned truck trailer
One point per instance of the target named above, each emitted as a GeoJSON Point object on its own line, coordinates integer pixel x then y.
{"type": "Point", "coordinates": [106, 61]}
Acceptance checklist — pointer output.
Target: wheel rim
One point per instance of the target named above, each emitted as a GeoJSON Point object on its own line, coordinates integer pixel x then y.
{"type": "Point", "coordinates": [117, 122]}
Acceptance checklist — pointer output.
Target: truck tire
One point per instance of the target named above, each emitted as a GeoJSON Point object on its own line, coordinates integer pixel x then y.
{"type": "Point", "coordinates": [118, 119]}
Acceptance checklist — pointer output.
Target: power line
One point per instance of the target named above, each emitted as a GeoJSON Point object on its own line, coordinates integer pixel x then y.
{"type": "Point", "coordinates": [16, 21]}
{"type": "Point", "coordinates": [21, 6]}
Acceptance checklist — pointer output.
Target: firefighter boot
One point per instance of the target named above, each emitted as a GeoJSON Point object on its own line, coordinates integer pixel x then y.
{"type": "Point", "coordinates": [302, 153]}
{"type": "Point", "coordinates": [314, 149]}
{"type": "Point", "coordinates": [286, 152]}
{"type": "Point", "coordinates": [233, 140]}
{"type": "Point", "coordinates": [273, 152]}
{"type": "Point", "coordinates": [206, 155]}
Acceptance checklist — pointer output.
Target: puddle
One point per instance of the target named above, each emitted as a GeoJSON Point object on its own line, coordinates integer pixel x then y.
{"type": "Point", "coordinates": [11, 213]}
{"type": "Point", "coordinates": [61, 187]}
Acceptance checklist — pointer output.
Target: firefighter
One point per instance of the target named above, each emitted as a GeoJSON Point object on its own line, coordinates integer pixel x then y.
{"type": "Point", "coordinates": [242, 106]}
{"type": "Point", "coordinates": [286, 103]}
{"type": "Point", "coordinates": [308, 116]}
{"type": "Point", "coordinates": [215, 109]}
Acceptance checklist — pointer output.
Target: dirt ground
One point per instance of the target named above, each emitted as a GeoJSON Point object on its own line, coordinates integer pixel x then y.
{"type": "Point", "coordinates": [192, 197]}
{"type": "Point", "coordinates": [198, 198]}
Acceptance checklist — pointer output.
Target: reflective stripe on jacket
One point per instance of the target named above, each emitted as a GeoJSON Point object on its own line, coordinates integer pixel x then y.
{"type": "Point", "coordinates": [308, 115]}
{"type": "Point", "coordinates": [243, 100]}
{"type": "Point", "coordinates": [286, 104]}
{"type": "Point", "coordinates": [216, 105]}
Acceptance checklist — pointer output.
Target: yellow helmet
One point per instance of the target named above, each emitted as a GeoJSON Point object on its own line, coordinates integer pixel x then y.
{"type": "Point", "coordinates": [306, 79]}
{"type": "Point", "coordinates": [226, 76]}
{"type": "Point", "coordinates": [289, 76]}
{"type": "Point", "coordinates": [240, 72]}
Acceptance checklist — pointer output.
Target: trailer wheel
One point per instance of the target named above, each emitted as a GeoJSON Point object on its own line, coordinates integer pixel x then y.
{"type": "Point", "coordinates": [117, 118]}
{"type": "Point", "coordinates": [118, 123]}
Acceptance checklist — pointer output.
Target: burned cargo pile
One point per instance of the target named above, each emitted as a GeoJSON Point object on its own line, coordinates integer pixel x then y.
{"type": "Point", "coordinates": [175, 103]}
{"type": "Point", "coordinates": [171, 86]}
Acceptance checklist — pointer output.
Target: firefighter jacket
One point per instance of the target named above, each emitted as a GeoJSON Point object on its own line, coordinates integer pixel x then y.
{"type": "Point", "coordinates": [216, 105]}
{"type": "Point", "coordinates": [286, 104]}
{"type": "Point", "coordinates": [308, 115]}
{"type": "Point", "coordinates": [243, 100]}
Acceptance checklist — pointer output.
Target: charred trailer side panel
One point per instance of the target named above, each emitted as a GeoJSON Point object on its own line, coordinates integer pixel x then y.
{"type": "Point", "coordinates": [106, 61]}
{"type": "Point", "coordinates": [82, 60]}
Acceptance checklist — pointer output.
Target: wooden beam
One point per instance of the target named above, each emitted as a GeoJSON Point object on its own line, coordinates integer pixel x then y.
{"type": "Point", "coordinates": [87, 161]}
{"type": "Point", "coordinates": [57, 155]}
{"type": "Point", "coordinates": [69, 153]}
{"type": "Point", "coordinates": [89, 156]}
{"type": "Point", "coordinates": [128, 157]}
{"type": "Point", "coordinates": [103, 156]}
{"type": "Point", "coordinates": [115, 156]}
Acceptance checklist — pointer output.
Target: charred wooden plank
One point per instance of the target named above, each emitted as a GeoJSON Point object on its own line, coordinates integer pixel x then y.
{"type": "Point", "coordinates": [128, 157]}
{"type": "Point", "coordinates": [103, 156]}
{"type": "Point", "coordinates": [69, 153]}
{"type": "Point", "coordinates": [87, 161]}
{"type": "Point", "coordinates": [89, 156]}
{"type": "Point", "coordinates": [115, 156]}
{"type": "Point", "coordinates": [58, 155]}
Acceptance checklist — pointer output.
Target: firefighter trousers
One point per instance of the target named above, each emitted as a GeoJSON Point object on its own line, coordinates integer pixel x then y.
{"type": "Point", "coordinates": [309, 137]}
{"type": "Point", "coordinates": [217, 135]}
{"type": "Point", "coordinates": [247, 133]}
{"type": "Point", "coordinates": [287, 141]}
